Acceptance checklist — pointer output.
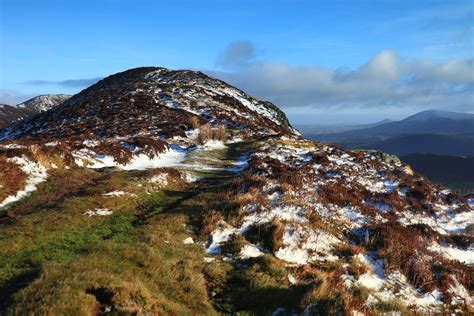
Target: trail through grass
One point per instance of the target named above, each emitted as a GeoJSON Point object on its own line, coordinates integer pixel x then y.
{"type": "Point", "coordinates": [54, 259]}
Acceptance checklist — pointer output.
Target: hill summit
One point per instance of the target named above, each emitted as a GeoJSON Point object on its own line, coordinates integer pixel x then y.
{"type": "Point", "coordinates": [170, 192]}
{"type": "Point", "coordinates": [154, 99]}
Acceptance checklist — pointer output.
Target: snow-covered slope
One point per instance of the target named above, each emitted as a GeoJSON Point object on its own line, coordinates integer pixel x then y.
{"type": "Point", "coordinates": [44, 102]}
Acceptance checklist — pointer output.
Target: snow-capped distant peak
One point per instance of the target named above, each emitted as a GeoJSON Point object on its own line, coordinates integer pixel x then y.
{"type": "Point", "coordinates": [44, 102]}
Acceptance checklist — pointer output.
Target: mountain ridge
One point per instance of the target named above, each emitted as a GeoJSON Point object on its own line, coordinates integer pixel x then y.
{"type": "Point", "coordinates": [424, 115]}
{"type": "Point", "coordinates": [435, 122]}
{"type": "Point", "coordinates": [309, 129]}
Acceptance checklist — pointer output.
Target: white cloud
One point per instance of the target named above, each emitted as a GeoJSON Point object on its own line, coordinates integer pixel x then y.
{"type": "Point", "coordinates": [387, 79]}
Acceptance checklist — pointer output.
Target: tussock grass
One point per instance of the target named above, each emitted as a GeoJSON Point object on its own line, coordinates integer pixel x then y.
{"type": "Point", "coordinates": [56, 260]}
{"type": "Point", "coordinates": [208, 132]}
{"type": "Point", "coordinates": [268, 235]}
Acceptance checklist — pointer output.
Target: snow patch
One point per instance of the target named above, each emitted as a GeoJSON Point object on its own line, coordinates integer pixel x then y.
{"type": "Point", "coordinates": [188, 241]}
{"type": "Point", "coordinates": [250, 251]}
{"type": "Point", "coordinates": [302, 245]}
{"type": "Point", "coordinates": [118, 194]}
{"type": "Point", "coordinates": [453, 253]}
{"type": "Point", "coordinates": [99, 212]}
{"type": "Point", "coordinates": [160, 179]}
{"type": "Point", "coordinates": [213, 144]}
{"type": "Point", "coordinates": [169, 158]}
{"type": "Point", "coordinates": [221, 234]}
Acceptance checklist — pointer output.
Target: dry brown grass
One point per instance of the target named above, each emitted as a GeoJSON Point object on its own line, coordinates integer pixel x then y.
{"type": "Point", "coordinates": [405, 250]}
{"type": "Point", "coordinates": [12, 178]}
{"type": "Point", "coordinates": [209, 223]}
{"type": "Point", "coordinates": [268, 235]}
{"type": "Point", "coordinates": [149, 146]}
{"type": "Point", "coordinates": [219, 132]}
{"type": "Point", "coordinates": [59, 186]}
{"type": "Point", "coordinates": [205, 133]}
{"type": "Point", "coordinates": [194, 121]}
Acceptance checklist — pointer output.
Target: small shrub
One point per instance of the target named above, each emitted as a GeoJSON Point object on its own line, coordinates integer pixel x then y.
{"type": "Point", "coordinates": [219, 132]}
{"type": "Point", "coordinates": [323, 298]}
{"type": "Point", "coordinates": [268, 235]}
{"type": "Point", "coordinates": [195, 122]}
{"type": "Point", "coordinates": [12, 178]}
{"type": "Point", "coordinates": [209, 222]}
{"type": "Point", "coordinates": [216, 276]}
{"type": "Point", "coordinates": [205, 133]}
{"type": "Point", "coordinates": [233, 245]}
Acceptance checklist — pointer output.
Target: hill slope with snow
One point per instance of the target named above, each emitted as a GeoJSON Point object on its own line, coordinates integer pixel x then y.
{"type": "Point", "coordinates": [10, 114]}
{"type": "Point", "coordinates": [170, 192]}
{"type": "Point", "coordinates": [147, 101]}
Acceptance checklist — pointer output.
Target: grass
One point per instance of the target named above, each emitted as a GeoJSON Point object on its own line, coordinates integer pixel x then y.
{"type": "Point", "coordinates": [12, 178]}
{"type": "Point", "coordinates": [218, 162]}
{"type": "Point", "coordinates": [258, 289]}
{"type": "Point", "coordinates": [53, 260]}
{"type": "Point", "coordinates": [56, 260]}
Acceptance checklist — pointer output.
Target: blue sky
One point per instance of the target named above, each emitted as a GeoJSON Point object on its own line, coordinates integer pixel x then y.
{"type": "Point", "coordinates": [322, 61]}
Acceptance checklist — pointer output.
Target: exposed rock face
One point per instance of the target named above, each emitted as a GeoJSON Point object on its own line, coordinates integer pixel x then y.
{"type": "Point", "coordinates": [361, 223]}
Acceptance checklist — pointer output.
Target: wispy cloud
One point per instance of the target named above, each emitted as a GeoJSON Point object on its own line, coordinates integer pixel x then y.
{"type": "Point", "coordinates": [386, 80]}
{"type": "Point", "coordinates": [430, 18]}
{"type": "Point", "coordinates": [71, 83]}
{"type": "Point", "coordinates": [240, 53]}
{"type": "Point", "coordinates": [440, 31]}
{"type": "Point", "coordinates": [13, 97]}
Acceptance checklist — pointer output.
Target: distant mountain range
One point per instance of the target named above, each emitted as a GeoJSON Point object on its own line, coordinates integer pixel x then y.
{"type": "Point", "coordinates": [436, 132]}
{"type": "Point", "coordinates": [426, 122]}
{"type": "Point", "coordinates": [44, 102]}
{"type": "Point", "coordinates": [318, 129]}
{"type": "Point", "coordinates": [29, 108]}
{"type": "Point", "coordinates": [455, 145]}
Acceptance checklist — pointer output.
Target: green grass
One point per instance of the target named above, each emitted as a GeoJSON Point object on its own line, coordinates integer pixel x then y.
{"type": "Point", "coordinates": [54, 259]}
{"type": "Point", "coordinates": [258, 289]}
